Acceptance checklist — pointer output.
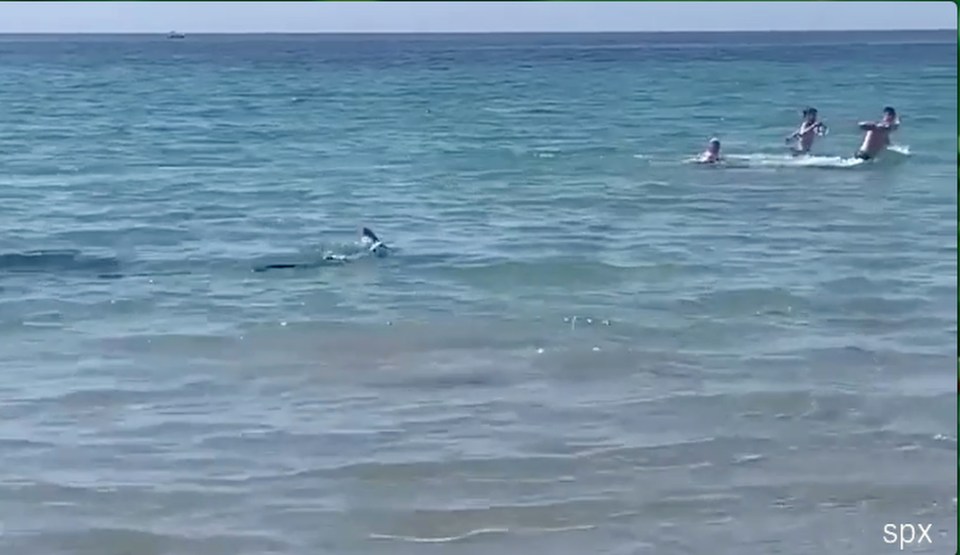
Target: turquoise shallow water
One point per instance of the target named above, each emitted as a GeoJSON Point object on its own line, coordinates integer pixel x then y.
{"type": "Point", "coordinates": [581, 343]}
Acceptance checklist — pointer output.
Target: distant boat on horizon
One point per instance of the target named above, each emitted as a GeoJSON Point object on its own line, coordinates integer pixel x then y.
{"type": "Point", "coordinates": [176, 35]}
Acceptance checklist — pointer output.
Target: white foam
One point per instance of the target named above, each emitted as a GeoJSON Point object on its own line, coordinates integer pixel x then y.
{"type": "Point", "coordinates": [789, 161]}
{"type": "Point", "coordinates": [763, 160]}
{"type": "Point", "coordinates": [902, 150]}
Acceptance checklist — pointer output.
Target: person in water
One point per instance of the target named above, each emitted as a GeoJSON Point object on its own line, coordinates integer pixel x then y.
{"type": "Point", "coordinates": [712, 154]}
{"type": "Point", "coordinates": [877, 138]}
{"type": "Point", "coordinates": [809, 128]}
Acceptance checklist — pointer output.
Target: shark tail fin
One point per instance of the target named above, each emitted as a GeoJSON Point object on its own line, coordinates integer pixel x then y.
{"type": "Point", "coordinates": [368, 236]}
{"type": "Point", "coordinates": [371, 241]}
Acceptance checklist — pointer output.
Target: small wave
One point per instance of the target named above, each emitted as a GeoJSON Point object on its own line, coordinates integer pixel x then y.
{"type": "Point", "coordinates": [748, 458]}
{"type": "Point", "coordinates": [448, 539]}
{"type": "Point", "coordinates": [571, 528]}
{"type": "Point", "coordinates": [522, 110]}
{"type": "Point", "coordinates": [484, 532]}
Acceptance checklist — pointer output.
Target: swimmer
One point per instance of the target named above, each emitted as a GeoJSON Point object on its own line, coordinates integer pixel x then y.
{"type": "Point", "coordinates": [877, 138]}
{"type": "Point", "coordinates": [808, 130]}
{"type": "Point", "coordinates": [712, 154]}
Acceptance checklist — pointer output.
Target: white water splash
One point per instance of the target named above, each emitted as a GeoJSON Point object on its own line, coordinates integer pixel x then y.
{"type": "Point", "coordinates": [893, 154]}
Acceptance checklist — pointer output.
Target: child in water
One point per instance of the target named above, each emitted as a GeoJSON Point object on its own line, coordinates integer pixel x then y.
{"type": "Point", "coordinates": [712, 154]}
{"type": "Point", "coordinates": [877, 138]}
{"type": "Point", "coordinates": [809, 128]}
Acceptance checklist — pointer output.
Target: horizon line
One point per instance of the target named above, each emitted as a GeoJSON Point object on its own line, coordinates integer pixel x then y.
{"type": "Point", "coordinates": [578, 32]}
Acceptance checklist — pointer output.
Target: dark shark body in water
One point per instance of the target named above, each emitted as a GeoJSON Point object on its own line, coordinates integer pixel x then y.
{"type": "Point", "coordinates": [57, 262]}
{"type": "Point", "coordinates": [371, 243]}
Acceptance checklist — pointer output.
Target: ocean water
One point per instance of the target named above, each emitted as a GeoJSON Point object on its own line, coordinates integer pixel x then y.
{"type": "Point", "coordinates": [580, 342]}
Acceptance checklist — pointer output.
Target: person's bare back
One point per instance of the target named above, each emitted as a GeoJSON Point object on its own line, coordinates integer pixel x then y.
{"type": "Point", "coordinates": [877, 138]}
